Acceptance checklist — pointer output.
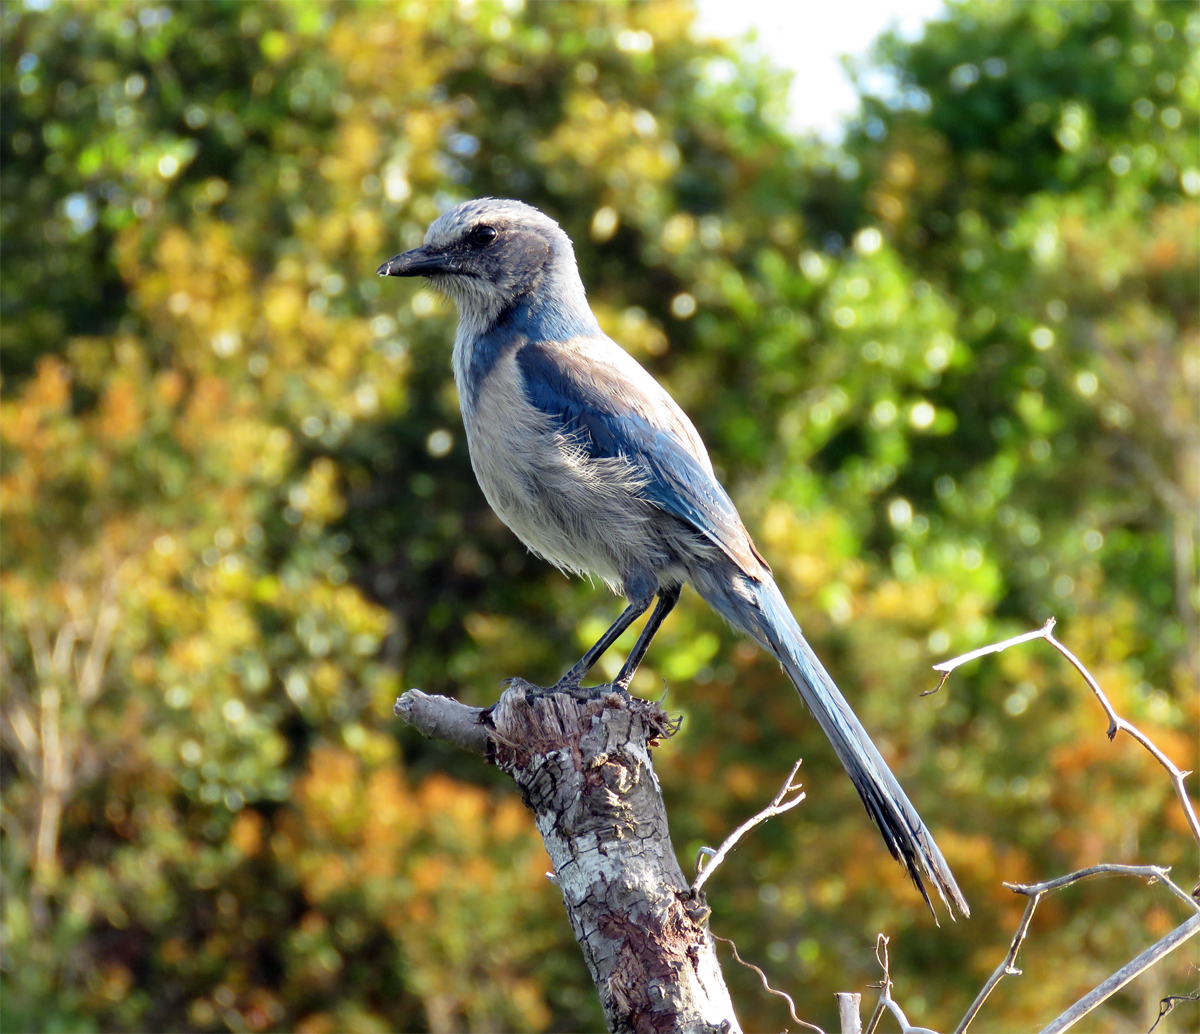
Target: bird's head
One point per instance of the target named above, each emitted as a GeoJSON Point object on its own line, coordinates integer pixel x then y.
{"type": "Point", "coordinates": [487, 253]}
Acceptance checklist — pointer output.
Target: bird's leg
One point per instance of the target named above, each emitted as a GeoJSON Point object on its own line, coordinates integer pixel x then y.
{"type": "Point", "coordinates": [569, 683]}
{"type": "Point", "coordinates": [666, 603]}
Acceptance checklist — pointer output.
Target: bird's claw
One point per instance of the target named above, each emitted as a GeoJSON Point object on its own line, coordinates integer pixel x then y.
{"type": "Point", "coordinates": [569, 684]}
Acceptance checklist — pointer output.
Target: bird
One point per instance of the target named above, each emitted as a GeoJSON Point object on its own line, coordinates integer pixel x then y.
{"type": "Point", "coordinates": [593, 465]}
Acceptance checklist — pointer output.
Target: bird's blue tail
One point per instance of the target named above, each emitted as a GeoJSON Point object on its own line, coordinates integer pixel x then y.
{"type": "Point", "coordinates": [759, 610]}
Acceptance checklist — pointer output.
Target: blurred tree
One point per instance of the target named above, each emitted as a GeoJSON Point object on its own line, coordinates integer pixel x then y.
{"type": "Point", "coordinates": [948, 371]}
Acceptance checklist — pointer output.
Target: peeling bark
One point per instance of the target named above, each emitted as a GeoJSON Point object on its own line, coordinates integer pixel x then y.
{"type": "Point", "coordinates": [583, 768]}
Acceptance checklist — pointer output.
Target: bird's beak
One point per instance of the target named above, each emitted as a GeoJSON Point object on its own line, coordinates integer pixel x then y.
{"type": "Point", "coordinates": [422, 261]}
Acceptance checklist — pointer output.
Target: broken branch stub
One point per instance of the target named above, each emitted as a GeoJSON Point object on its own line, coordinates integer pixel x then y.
{"type": "Point", "coordinates": [583, 768]}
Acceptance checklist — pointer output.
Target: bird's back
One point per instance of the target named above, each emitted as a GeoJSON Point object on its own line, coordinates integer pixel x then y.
{"type": "Point", "coordinates": [588, 458]}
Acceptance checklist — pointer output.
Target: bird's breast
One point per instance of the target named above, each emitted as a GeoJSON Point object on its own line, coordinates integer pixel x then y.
{"type": "Point", "coordinates": [508, 438]}
{"type": "Point", "coordinates": [582, 513]}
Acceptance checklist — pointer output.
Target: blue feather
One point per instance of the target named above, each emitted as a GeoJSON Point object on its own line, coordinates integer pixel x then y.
{"type": "Point", "coordinates": [759, 610]}
{"type": "Point", "coordinates": [675, 481]}
{"type": "Point", "coordinates": [513, 327]}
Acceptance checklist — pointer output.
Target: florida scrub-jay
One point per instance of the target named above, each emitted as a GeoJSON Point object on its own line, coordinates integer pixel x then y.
{"type": "Point", "coordinates": [593, 465]}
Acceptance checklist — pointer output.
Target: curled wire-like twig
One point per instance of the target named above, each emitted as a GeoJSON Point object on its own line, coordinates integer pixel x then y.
{"type": "Point", "coordinates": [777, 806]}
{"type": "Point", "coordinates": [886, 1001]}
{"type": "Point", "coordinates": [1115, 722]}
{"type": "Point", "coordinates": [1168, 1005]}
{"type": "Point", "coordinates": [885, 986]}
{"type": "Point", "coordinates": [766, 984]}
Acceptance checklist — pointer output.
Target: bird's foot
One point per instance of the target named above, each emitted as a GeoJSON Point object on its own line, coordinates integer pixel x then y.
{"type": "Point", "coordinates": [569, 684]}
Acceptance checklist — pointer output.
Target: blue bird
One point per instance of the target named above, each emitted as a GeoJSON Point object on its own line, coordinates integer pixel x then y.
{"type": "Point", "coordinates": [589, 460]}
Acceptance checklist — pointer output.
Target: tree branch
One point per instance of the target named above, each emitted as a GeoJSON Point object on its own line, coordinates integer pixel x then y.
{"type": "Point", "coordinates": [1119, 979]}
{"type": "Point", "coordinates": [1035, 892]}
{"type": "Point", "coordinates": [1115, 722]}
{"type": "Point", "coordinates": [583, 768]}
{"type": "Point", "coordinates": [445, 719]}
{"type": "Point", "coordinates": [90, 677]}
{"type": "Point", "coordinates": [946, 667]}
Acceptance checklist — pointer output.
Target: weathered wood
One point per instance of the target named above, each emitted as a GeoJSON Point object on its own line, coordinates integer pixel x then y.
{"type": "Point", "coordinates": [583, 768]}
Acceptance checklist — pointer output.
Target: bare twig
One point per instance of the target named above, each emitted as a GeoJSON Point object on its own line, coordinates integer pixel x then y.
{"type": "Point", "coordinates": [881, 956]}
{"type": "Point", "coordinates": [905, 1026]}
{"type": "Point", "coordinates": [16, 718]}
{"type": "Point", "coordinates": [1115, 722]}
{"type": "Point", "coordinates": [1006, 968]}
{"type": "Point", "coordinates": [948, 666]}
{"type": "Point", "coordinates": [1123, 976]}
{"type": "Point", "coordinates": [885, 986]}
{"type": "Point", "coordinates": [1153, 873]}
{"type": "Point", "coordinates": [777, 806]}
{"type": "Point", "coordinates": [763, 977]}
{"type": "Point", "coordinates": [1035, 892]}
{"type": "Point", "coordinates": [876, 1016]}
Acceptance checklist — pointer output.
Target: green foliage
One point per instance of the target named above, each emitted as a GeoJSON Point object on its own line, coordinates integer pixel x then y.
{"type": "Point", "coordinates": [948, 371]}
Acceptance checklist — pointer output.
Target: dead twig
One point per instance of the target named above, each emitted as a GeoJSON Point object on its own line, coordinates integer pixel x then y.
{"type": "Point", "coordinates": [946, 667]}
{"type": "Point", "coordinates": [1115, 722]}
{"type": "Point", "coordinates": [443, 718]}
{"type": "Point", "coordinates": [1153, 873]}
{"type": "Point", "coordinates": [1035, 892]}
{"type": "Point", "coordinates": [885, 995]}
{"type": "Point", "coordinates": [1006, 968]}
{"type": "Point", "coordinates": [777, 806]}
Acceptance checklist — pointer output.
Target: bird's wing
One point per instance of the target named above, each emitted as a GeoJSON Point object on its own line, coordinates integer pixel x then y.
{"type": "Point", "coordinates": [603, 399]}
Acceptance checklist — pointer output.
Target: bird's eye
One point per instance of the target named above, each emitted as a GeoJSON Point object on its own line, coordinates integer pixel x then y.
{"type": "Point", "coordinates": [483, 235]}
